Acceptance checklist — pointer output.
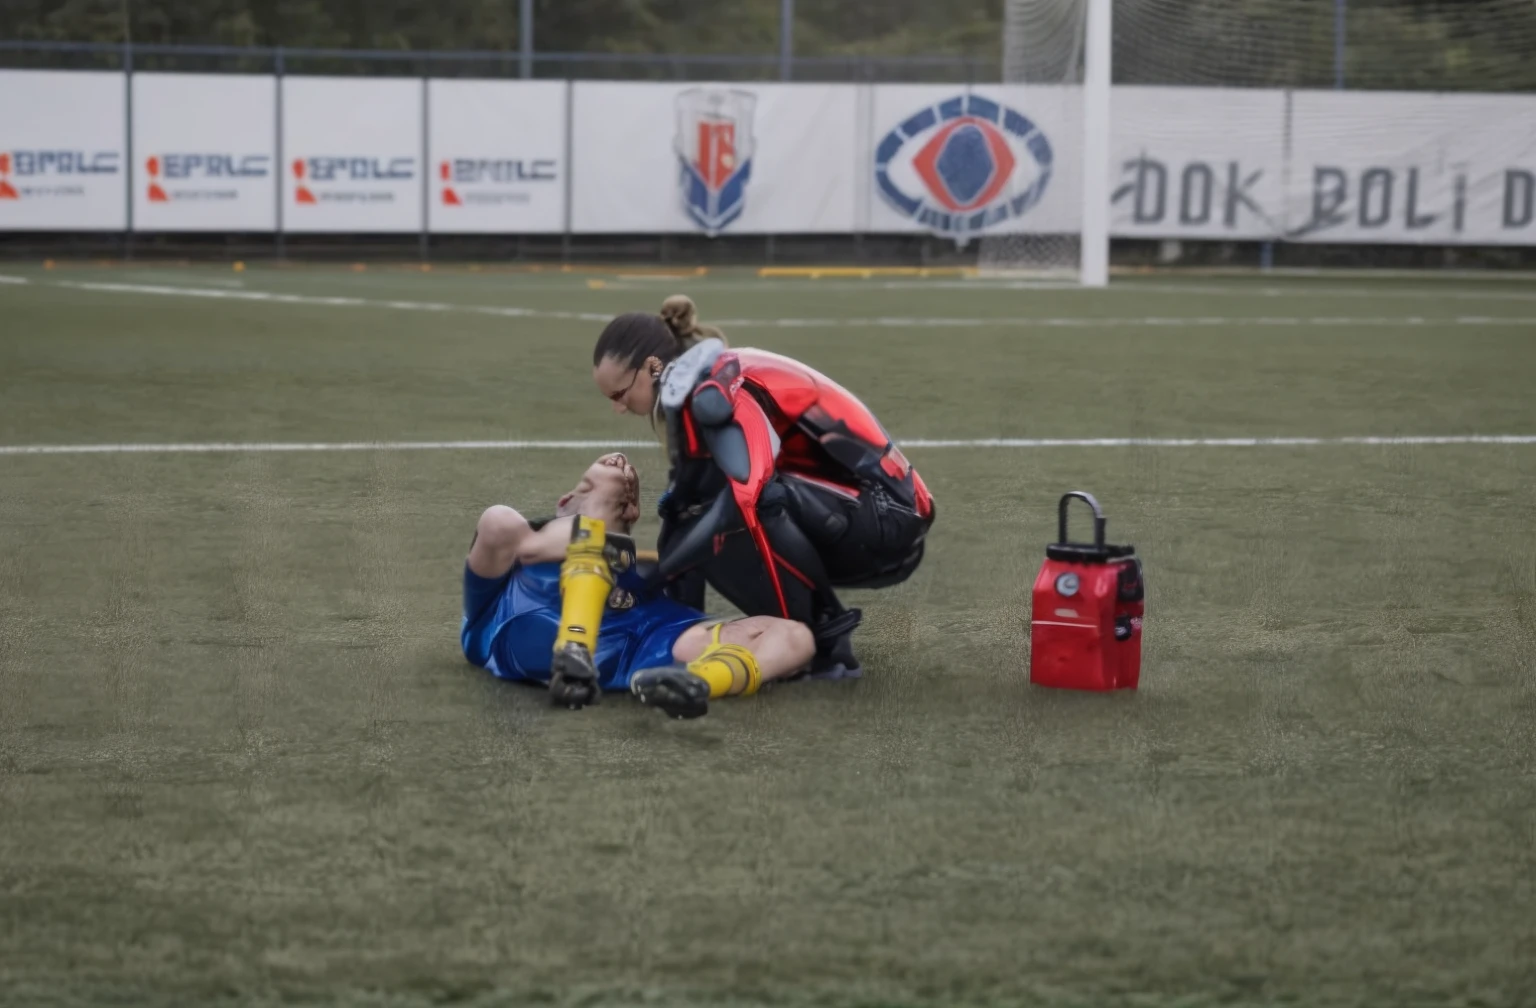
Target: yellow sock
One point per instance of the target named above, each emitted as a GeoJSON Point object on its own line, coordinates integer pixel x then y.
{"type": "Point", "coordinates": [730, 669]}
{"type": "Point", "coordinates": [585, 583]}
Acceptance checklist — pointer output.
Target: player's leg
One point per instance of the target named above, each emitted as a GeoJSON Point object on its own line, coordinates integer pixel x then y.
{"type": "Point", "coordinates": [586, 580]}
{"type": "Point", "coordinates": [781, 647]}
{"type": "Point", "coordinates": [725, 659]}
{"type": "Point", "coordinates": [499, 534]}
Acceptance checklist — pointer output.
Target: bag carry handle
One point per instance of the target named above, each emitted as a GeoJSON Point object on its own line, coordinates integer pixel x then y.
{"type": "Point", "coordinates": [1098, 517]}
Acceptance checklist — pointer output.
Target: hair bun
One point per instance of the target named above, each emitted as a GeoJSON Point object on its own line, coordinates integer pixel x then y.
{"type": "Point", "coordinates": [681, 315]}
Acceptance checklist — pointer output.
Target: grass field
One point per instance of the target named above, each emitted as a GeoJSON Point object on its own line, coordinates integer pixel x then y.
{"type": "Point", "coordinates": [242, 760]}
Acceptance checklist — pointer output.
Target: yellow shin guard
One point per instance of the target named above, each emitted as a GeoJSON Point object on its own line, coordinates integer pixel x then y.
{"type": "Point", "coordinates": [585, 583]}
{"type": "Point", "coordinates": [730, 669]}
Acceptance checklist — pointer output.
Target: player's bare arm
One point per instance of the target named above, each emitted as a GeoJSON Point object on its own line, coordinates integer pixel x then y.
{"type": "Point", "coordinates": [608, 492]}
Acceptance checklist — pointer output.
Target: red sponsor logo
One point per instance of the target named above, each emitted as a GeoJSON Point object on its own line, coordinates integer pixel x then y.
{"type": "Point", "coordinates": [156, 193]}
{"type": "Point", "coordinates": [301, 193]}
{"type": "Point", "coordinates": [7, 191]}
{"type": "Point", "coordinates": [450, 198]}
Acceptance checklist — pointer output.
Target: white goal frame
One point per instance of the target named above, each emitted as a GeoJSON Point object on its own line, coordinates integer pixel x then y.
{"type": "Point", "coordinates": [1093, 268]}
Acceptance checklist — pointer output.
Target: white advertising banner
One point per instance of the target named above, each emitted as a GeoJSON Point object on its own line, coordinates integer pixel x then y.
{"type": "Point", "coordinates": [957, 161]}
{"type": "Point", "coordinates": [1408, 168]}
{"type": "Point", "coordinates": [62, 165]}
{"type": "Point", "coordinates": [1197, 163]}
{"type": "Point", "coordinates": [962, 162]}
{"type": "Point", "coordinates": [496, 156]}
{"type": "Point", "coordinates": [352, 148]}
{"type": "Point", "coordinates": [714, 158]}
{"type": "Point", "coordinates": [204, 152]}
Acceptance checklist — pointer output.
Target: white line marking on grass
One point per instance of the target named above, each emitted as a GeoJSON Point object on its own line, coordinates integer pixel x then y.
{"type": "Point", "coordinates": [219, 294]}
{"type": "Point", "coordinates": [1367, 273]}
{"type": "Point", "coordinates": [1320, 292]}
{"type": "Point", "coordinates": [1240, 290]}
{"type": "Point", "coordinates": [919, 443]}
{"type": "Point", "coordinates": [1075, 322]}
{"type": "Point", "coordinates": [4, 279]}
{"type": "Point", "coordinates": [201, 283]}
{"type": "Point", "coordinates": [326, 446]}
{"type": "Point", "coordinates": [1253, 442]}
{"type": "Point", "coordinates": [1148, 322]}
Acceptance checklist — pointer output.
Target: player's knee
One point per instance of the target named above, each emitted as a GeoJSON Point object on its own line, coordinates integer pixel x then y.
{"type": "Point", "coordinates": [498, 535]}
{"type": "Point", "coordinates": [798, 639]}
{"type": "Point", "coordinates": [501, 528]}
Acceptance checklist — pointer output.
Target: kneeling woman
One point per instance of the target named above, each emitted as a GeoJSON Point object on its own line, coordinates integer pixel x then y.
{"type": "Point", "coordinates": [783, 485]}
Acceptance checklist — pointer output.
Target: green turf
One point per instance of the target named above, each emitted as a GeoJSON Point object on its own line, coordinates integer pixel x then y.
{"type": "Point", "coordinates": [242, 760]}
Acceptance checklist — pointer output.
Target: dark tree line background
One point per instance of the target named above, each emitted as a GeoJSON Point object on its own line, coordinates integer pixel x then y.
{"type": "Point", "coordinates": [1448, 44]}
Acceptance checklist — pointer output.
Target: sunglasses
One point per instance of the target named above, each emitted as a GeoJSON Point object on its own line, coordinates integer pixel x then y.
{"type": "Point", "coordinates": [621, 393]}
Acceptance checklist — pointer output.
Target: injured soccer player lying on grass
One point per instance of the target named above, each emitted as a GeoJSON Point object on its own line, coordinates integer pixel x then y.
{"type": "Point", "coordinates": [567, 601]}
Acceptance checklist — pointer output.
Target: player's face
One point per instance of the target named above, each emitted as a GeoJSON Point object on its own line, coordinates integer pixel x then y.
{"type": "Point", "coordinates": [630, 389]}
{"type": "Point", "coordinates": [609, 490]}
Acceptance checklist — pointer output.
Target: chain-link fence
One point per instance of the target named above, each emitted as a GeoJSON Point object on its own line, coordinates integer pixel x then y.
{"type": "Point", "coordinates": [1479, 45]}
{"type": "Point", "coordinates": [1428, 45]}
{"type": "Point", "coordinates": [508, 64]}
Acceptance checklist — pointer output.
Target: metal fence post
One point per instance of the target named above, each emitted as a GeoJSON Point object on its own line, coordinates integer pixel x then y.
{"type": "Point", "coordinates": [426, 153]}
{"type": "Point", "coordinates": [786, 39]}
{"type": "Point", "coordinates": [280, 244]}
{"type": "Point", "coordinates": [525, 36]}
{"type": "Point", "coordinates": [1339, 9]}
{"type": "Point", "coordinates": [566, 169]}
{"type": "Point", "coordinates": [128, 148]}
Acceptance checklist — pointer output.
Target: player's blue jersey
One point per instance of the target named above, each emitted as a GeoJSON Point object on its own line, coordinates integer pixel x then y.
{"type": "Point", "coordinates": [510, 624]}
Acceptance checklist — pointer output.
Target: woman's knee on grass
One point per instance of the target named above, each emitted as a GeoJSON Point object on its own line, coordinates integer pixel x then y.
{"type": "Point", "coordinates": [498, 536]}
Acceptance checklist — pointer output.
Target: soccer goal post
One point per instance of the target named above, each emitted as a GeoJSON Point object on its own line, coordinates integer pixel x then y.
{"type": "Point", "coordinates": [1253, 133]}
{"type": "Point", "coordinates": [1093, 261]}
{"type": "Point", "coordinates": [1056, 71]}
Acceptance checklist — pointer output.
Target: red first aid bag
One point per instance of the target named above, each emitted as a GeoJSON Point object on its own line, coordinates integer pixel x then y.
{"type": "Point", "coordinates": [1085, 628]}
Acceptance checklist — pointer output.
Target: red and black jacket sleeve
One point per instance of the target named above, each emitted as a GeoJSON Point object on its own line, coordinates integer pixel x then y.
{"type": "Point", "coordinates": [723, 426]}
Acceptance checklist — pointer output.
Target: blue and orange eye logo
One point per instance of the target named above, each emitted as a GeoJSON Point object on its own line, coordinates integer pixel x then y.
{"type": "Point", "coordinates": [975, 163]}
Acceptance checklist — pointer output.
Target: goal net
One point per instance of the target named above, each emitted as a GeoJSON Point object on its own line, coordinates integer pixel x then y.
{"type": "Point", "coordinates": [1043, 64]}
{"type": "Point", "coordinates": [1268, 122]}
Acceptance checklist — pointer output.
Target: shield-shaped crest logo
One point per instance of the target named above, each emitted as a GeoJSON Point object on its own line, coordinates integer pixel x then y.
{"type": "Point", "coordinates": [714, 151]}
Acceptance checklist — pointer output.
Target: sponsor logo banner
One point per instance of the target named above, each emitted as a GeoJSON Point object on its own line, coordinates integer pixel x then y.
{"type": "Point", "coordinates": [497, 151]}
{"type": "Point", "coordinates": [716, 158]}
{"type": "Point", "coordinates": [352, 152]}
{"type": "Point", "coordinates": [204, 152]}
{"type": "Point", "coordinates": [61, 151]}
{"type": "Point", "coordinates": [965, 163]}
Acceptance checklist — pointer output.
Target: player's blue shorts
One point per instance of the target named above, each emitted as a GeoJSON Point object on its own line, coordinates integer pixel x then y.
{"type": "Point", "coordinates": [510, 624]}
